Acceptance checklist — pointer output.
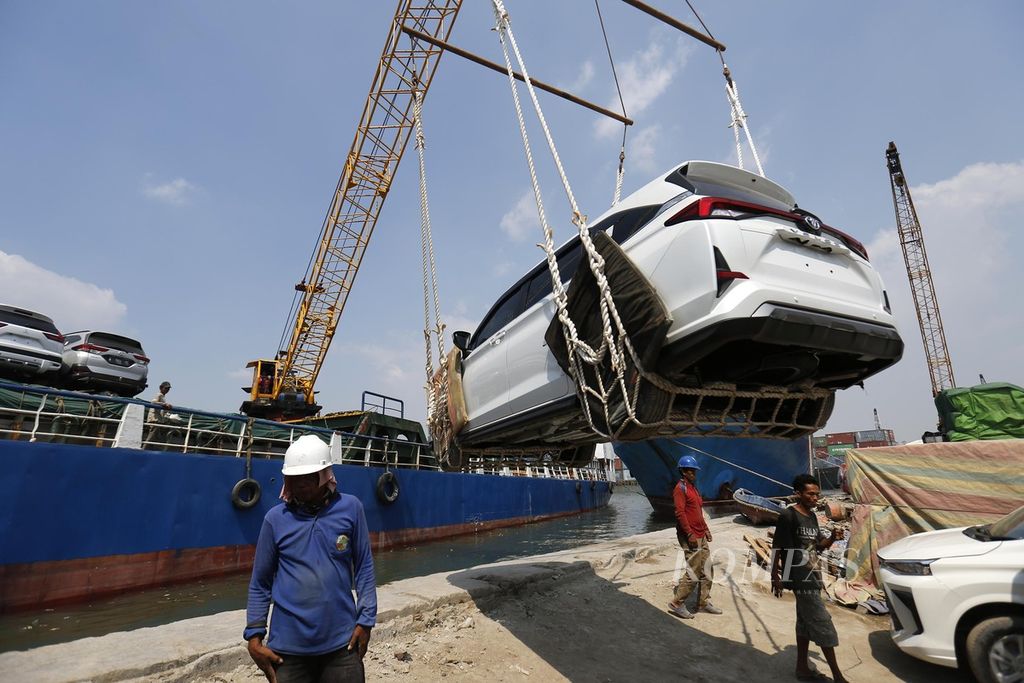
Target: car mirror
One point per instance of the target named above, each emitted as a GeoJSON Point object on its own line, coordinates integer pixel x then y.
{"type": "Point", "coordinates": [461, 340]}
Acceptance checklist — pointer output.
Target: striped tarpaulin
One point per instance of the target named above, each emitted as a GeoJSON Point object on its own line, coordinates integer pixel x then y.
{"type": "Point", "coordinates": [903, 490]}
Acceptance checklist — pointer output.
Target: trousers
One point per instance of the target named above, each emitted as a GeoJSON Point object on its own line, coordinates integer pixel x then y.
{"type": "Point", "coordinates": [698, 572]}
{"type": "Point", "coordinates": [340, 666]}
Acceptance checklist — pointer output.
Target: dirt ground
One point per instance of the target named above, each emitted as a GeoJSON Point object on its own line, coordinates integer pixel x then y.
{"type": "Point", "coordinates": [604, 619]}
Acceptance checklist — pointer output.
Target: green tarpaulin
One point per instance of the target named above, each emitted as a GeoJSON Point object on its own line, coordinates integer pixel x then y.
{"type": "Point", "coordinates": [985, 411]}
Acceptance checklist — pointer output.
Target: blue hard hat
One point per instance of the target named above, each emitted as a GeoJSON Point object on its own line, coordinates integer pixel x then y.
{"type": "Point", "coordinates": [688, 462]}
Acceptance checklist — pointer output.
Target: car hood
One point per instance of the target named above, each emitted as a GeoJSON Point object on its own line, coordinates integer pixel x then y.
{"type": "Point", "coordinates": [933, 545]}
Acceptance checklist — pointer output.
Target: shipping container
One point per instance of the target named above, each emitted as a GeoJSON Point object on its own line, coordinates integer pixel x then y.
{"type": "Point", "coordinates": [872, 444]}
{"type": "Point", "coordinates": [889, 436]}
{"type": "Point", "coordinates": [821, 452]}
{"type": "Point", "coordinates": [839, 449]}
{"type": "Point", "coordinates": [819, 441]}
{"type": "Point", "coordinates": [872, 435]}
{"type": "Point", "coordinates": [841, 438]}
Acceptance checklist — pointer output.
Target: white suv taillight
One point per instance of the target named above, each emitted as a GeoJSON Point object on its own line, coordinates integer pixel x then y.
{"type": "Point", "coordinates": [721, 207]}
{"type": "Point", "coordinates": [91, 348]}
{"type": "Point", "coordinates": [141, 359]}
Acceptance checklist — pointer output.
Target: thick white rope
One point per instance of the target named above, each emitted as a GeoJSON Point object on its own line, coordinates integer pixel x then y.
{"type": "Point", "coordinates": [614, 342]}
{"type": "Point", "coordinates": [739, 120]}
{"type": "Point", "coordinates": [432, 325]}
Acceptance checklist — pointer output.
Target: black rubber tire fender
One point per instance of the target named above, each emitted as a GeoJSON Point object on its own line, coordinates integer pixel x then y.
{"type": "Point", "coordinates": [387, 488]}
{"type": "Point", "coordinates": [245, 485]}
{"type": "Point", "coordinates": [981, 639]}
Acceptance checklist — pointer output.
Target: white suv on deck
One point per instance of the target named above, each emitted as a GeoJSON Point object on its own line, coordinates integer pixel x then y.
{"type": "Point", "coordinates": [758, 293]}
{"type": "Point", "coordinates": [956, 596]}
{"type": "Point", "coordinates": [103, 361]}
{"type": "Point", "coordinates": [30, 345]}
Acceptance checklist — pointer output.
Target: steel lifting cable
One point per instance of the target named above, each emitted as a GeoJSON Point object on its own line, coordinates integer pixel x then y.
{"type": "Point", "coordinates": [740, 467]}
{"type": "Point", "coordinates": [622, 150]}
{"type": "Point", "coordinates": [732, 92]}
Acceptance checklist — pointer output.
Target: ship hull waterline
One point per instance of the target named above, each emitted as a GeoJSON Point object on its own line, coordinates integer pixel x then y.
{"type": "Point", "coordinates": [78, 522]}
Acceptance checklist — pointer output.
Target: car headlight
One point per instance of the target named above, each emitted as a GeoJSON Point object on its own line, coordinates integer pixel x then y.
{"type": "Point", "coordinates": [908, 567]}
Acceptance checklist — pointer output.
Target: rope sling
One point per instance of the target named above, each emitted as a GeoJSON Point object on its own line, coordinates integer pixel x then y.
{"type": "Point", "coordinates": [437, 386]}
{"type": "Point", "coordinates": [732, 93]}
{"type": "Point", "coordinates": [620, 398]}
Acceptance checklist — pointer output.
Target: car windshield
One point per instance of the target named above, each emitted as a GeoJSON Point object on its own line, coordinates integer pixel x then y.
{"type": "Point", "coordinates": [1010, 527]}
{"type": "Point", "coordinates": [12, 318]}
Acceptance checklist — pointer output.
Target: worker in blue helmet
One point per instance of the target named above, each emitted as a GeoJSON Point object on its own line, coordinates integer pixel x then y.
{"type": "Point", "coordinates": [694, 539]}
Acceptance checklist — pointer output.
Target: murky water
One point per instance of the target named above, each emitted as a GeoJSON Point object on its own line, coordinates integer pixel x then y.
{"type": "Point", "coordinates": [628, 513]}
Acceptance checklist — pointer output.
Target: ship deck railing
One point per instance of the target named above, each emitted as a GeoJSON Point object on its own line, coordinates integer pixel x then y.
{"type": "Point", "coordinates": [42, 414]}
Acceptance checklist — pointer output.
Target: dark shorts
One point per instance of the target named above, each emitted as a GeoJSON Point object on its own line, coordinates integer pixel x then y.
{"type": "Point", "coordinates": [813, 620]}
{"type": "Point", "coordinates": [340, 666]}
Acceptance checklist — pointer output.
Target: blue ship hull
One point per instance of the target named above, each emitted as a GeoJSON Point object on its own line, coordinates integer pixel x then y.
{"type": "Point", "coordinates": [77, 522]}
{"type": "Point", "coordinates": [751, 464]}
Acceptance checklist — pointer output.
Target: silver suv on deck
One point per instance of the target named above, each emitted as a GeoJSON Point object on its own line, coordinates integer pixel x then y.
{"type": "Point", "coordinates": [30, 344]}
{"type": "Point", "coordinates": [102, 361]}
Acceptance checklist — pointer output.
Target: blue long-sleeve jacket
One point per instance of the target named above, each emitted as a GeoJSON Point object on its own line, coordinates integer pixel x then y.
{"type": "Point", "coordinates": [307, 565]}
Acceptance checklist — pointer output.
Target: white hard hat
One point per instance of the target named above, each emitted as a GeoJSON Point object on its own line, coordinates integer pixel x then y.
{"type": "Point", "coordinates": [306, 454]}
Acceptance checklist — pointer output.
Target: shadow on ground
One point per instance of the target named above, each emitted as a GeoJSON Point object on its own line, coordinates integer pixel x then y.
{"type": "Point", "coordinates": [907, 668]}
{"type": "Point", "coordinates": [588, 628]}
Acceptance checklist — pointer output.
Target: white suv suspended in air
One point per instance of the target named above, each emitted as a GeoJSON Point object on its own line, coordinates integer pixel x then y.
{"type": "Point", "coordinates": [757, 292]}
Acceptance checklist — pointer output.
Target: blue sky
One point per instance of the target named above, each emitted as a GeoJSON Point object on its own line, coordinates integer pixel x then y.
{"type": "Point", "coordinates": [166, 167]}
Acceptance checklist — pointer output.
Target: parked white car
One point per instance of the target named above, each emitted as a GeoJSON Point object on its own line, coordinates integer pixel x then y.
{"type": "Point", "coordinates": [956, 597]}
{"type": "Point", "coordinates": [760, 293]}
{"type": "Point", "coordinates": [103, 361]}
{"type": "Point", "coordinates": [30, 345]}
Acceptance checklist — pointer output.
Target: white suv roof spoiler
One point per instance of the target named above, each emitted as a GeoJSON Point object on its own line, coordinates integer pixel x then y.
{"type": "Point", "coordinates": [730, 175]}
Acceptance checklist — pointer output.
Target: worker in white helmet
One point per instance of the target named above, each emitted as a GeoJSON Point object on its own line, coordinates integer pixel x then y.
{"type": "Point", "coordinates": [312, 551]}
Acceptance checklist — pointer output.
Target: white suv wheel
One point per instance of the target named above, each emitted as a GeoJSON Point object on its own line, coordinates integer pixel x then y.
{"type": "Point", "coordinates": [995, 650]}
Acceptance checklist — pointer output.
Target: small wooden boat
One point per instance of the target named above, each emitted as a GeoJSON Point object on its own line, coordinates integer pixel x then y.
{"type": "Point", "coordinates": [758, 509]}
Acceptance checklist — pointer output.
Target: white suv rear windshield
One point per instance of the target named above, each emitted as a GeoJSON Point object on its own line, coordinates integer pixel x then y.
{"type": "Point", "coordinates": [12, 318]}
{"type": "Point", "coordinates": [711, 189]}
{"type": "Point", "coordinates": [115, 341]}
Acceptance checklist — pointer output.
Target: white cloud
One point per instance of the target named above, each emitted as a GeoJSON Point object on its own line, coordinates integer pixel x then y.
{"type": "Point", "coordinates": [586, 75]}
{"type": "Point", "coordinates": [644, 77]}
{"type": "Point", "coordinates": [521, 220]}
{"type": "Point", "coordinates": [504, 268]}
{"type": "Point", "coordinates": [457, 320]}
{"type": "Point", "coordinates": [393, 366]}
{"type": "Point", "coordinates": [978, 186]}
{"type": "Point", "coordinates": [175, 192]}
{"type": "Point", "coordinates": [643, 150]}
{"type": "Point", "coordinates": [72, 304]}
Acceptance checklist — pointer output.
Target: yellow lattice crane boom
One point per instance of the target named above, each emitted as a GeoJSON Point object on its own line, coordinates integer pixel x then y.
{"type": "Point", "coordinates": [282, 387]}
{"type": "Point", "coordinates": [919, 273]}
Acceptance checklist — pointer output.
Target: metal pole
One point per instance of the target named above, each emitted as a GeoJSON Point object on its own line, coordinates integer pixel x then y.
{"type": "Point", "coordinates": [676, 24]}
{"type": "Point", "coordinates": [500, 69]}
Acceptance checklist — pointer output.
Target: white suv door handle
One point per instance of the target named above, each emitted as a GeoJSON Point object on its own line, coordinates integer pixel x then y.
{"type": "Point", "coordinates": [497, 337]}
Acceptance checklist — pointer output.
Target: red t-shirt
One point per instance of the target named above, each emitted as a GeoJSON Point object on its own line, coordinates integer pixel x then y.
{"type": "Point", "coordinates": [689, 510]}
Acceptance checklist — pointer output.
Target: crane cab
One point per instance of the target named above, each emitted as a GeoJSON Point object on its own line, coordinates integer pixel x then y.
{"type": "Point", "coordinates": [270, 396]}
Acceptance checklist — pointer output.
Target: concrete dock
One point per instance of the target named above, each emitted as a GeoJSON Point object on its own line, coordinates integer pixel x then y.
{"type": "Point", "coordinates": [595, 613]}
